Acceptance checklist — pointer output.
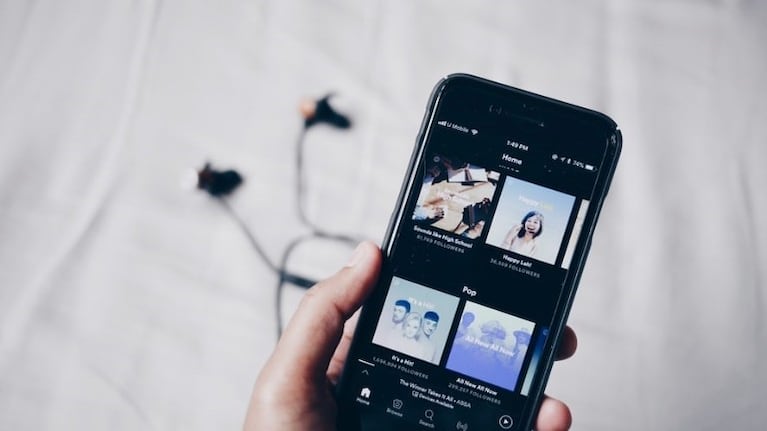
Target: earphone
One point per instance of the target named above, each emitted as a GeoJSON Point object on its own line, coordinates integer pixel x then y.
{"type": "Point", "coordinates": [221, 183]}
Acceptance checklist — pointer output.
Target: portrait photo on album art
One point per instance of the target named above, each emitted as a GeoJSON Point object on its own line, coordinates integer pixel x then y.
{"type": "Point", "coordinates": [415, 320]}
{"type": "Point", "coordinates": [530, 220]}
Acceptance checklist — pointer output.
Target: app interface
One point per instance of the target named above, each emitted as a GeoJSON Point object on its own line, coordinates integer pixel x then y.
{"type": "Point", "coordinates": [479, 261]}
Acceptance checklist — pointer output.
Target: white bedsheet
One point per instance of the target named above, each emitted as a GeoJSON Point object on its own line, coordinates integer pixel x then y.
{"type": "Point", "coordinates": [127, 302]}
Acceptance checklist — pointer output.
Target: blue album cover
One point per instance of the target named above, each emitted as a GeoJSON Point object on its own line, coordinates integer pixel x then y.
{"type": "Point", "coordinates": [490, 345]}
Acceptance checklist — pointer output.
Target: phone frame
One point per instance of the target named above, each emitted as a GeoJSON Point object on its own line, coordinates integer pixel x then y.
{"type": "Point", "coordinates": [570, 284]}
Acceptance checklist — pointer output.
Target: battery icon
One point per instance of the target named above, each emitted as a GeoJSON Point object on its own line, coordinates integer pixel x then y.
{"type": "Point", "coordinates": [589, 167]}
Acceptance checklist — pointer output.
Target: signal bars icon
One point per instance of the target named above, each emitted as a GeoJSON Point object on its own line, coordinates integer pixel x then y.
{"type": "Point", "coordinates": [445, 123]}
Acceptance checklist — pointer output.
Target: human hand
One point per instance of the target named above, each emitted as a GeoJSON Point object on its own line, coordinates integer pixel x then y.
{"type": "Point", "coordinates": [294, 391]}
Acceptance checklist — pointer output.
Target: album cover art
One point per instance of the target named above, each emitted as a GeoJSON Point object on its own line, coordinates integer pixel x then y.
{"type": "Point", "coordinates": [490, 345]}
{"type": "Point", "coordinates": [455, 196]}
{"type": "Point", "coordinates": [530, 220]}
{"type": "Point", "coordinates": [415, 320]}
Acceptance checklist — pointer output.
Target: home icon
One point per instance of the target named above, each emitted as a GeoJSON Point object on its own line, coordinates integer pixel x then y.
{"type": "Point", "coordinates": [365, 393]}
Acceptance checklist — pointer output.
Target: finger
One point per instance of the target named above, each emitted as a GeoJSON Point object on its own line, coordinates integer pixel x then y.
{"type": "Point", "coordinates": [568, 344]}
{"type": "Point", "coordinates": [313, 333]}
{"type": "Point", "coordinates": [339, 357]}
{"type": "Point", "coordinates": [554, 415]}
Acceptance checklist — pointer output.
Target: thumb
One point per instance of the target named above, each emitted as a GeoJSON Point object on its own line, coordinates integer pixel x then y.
{"type": "Point", "coordinates": [311, 337]}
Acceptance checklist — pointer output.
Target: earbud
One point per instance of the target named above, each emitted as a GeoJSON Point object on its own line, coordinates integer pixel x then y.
{"type": "Point", "coordinates": [320, 111]}
{"type": "Point", "coordinates": [217, 183]}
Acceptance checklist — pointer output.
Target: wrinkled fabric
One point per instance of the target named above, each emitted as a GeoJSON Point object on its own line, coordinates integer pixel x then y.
{"type": "Point", "coordinates": [129, 302]}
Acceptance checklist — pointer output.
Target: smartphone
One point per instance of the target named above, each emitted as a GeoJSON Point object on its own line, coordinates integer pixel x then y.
{"type": "Point", "coordinates": [481, 262]}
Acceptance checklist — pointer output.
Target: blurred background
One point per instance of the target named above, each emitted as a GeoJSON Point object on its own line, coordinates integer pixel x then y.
{"type": "Point", "coordinates": [130, 302]}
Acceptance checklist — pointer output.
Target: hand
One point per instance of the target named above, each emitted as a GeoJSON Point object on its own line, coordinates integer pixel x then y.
{"type": "Point", "coordinates": [294, 391]}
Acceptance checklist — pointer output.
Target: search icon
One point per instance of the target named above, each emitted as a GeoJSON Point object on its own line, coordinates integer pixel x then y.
{"type": "Point", "coordinates": [429, 414]}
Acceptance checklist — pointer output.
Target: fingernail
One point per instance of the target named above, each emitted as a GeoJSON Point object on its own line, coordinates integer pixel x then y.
{"type": "Point", "coordinates": [356, 256]}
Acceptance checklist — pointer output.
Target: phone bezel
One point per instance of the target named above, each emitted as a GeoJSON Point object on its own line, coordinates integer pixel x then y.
{"type": "Point", "coordinates": [550, 109]}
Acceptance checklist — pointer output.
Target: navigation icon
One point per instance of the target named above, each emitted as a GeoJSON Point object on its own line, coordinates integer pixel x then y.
{"type": "Point", "coordinates": [505, 422]}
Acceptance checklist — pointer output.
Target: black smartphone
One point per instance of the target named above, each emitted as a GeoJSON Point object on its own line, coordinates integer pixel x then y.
{"type": "Point", "coordinates": [481, 262]}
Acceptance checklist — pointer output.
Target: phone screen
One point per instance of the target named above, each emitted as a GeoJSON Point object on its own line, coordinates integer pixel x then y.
{"type": "Point", "coordinates": [482, 259]}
